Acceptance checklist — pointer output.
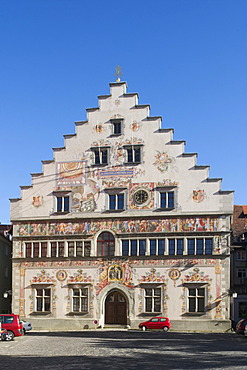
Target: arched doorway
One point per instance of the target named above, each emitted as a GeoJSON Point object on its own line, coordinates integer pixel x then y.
{"type": "Point", "coordinates": [116, 308]}
{"type": "Point", "coordinates": [105, 244]}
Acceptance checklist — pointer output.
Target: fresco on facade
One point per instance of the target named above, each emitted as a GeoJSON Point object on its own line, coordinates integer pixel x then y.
{"type": "Point", "coordinates": [167, 182]}
{"type": "Point", "coordinates": [70, 173]}
{"type": "Point", "coordinates": [37, 201]}
{"type": "Point", "coordinates": [99, 128]}
{"type": "Point", "coordinates": [162, 161]}
{"type": "Point", "coordinates": [148, 187]}
{"type": "Point", "coordinates": [120, 226]}
{"type": "Point", "coordinates": [43, 277]}
{"type": "Point", "coordinates": [84, 198]}
{"type": "Point", "coordinates": [79, 277]}
{"type": "Point", "coordinates": [135, 126]}
{"type": "Point", "coordinates": [196, 276]}
{"type": "Point", "coordinates": [198, 195]}
{"type": "Point", "coordinates": [119, 271]}
{"type": "Point", "coordinates": [152, 276]}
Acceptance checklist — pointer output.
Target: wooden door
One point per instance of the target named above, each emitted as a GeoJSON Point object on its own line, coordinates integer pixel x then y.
{"type": "Point", "coordinates": [116, 308]}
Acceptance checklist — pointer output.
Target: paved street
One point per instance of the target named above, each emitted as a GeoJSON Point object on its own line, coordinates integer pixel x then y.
{"type": "Point", "coordinates": [125, 350]}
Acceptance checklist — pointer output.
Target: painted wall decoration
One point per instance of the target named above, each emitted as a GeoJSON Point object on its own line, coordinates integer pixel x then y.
{"type": "Point", "coordinates": [116, 172]}
{"type": "Point", "coordinates": [147, 188]}
{"type": "Point", "coordinates": [135, 126]}
{"type": "Point", "coordinates": [174, 274]}
{"type": "Point", "coordinates": [119, 226]}
{"type": "Point", "coordinates": [117, 183]}
{"type": "Point", "coordinates": [198, 195]}
{"type": "Point", "coordinates": [196, 276]}
{"type": "Point", "coordinates": [167, 182]}
{"type": "Point", "coordinates": [162, 161]}
{"type": "Point", "coordinates": [152, 277]}
{"type": "Point", "coordinates": [70, 173]}
{"type": "Point", "coordinates": [84, 198]}
{"type": "Point", "coordinates": [37, 201]}
{"type": "Point", "coordinates": [119, 270]}
{"type": "Point", "coordinates": [61, 275]}
{"type": "Point", "coordinates": [79, 277]}
{"type": "Point", "coordinates": [99, 128]}
{"type": "Point", "coordinates": [43, 278]}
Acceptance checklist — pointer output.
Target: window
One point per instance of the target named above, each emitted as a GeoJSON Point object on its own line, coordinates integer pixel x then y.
{"type": "Point", "coordinates": [196, 300]}
{"type": "Point", "coordinates": [242, 309]}
{"type": "Point", "coordinates": [43, 299]}
{"type": "Point", "coordinates": [117, 127]}
{"type": "Point", "coordinates": [133, 154]}
{"type": "Point", "coordinates": [106, 244]}
{"type": "Point", "coordinates": [200, 246]}
{"type": "Point", "coordinates": [62, 203]}
{"type": "Point", "coordinates": [134, 247]}
{"type": "Point", "coordinates": [241, 255]}
{"type": "Point", "coordinates": [241, 275]}
{"type": "Point", "coordinates": [35, 249]}
{"type": "Point", "coordinates": [176, 246]}
{"type": "Point", "coordinates": [100, 156]}
{"type": "Point", "coordinates": [80, 300]}
{"type": "Point", "coordinates": [116, 202]}
{"type": "Point", "coordinates": [157, 247]}
{"type": "Point", "coordinates": [79, 248]}
{"type": "Point", "coordinates": [152, 299]}
{"type": "Point", "coordinates": [57, 249]}
{"type": "Point", "coordinates": [166, 199]}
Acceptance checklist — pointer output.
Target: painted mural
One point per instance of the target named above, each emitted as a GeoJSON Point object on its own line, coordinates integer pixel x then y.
{"type": "Point", "coordinates": [37, 201]}
{"type": "Point", "coordinates": [148, 187]}
{"type": "Point", "coordinates": [198, 195]}
{"type": "Point", "coordinates": [162, 161]}
{"type": "Point", "coordinates": [119, 271]}
{"type": "Point", "coordinates": [70, 173]}
{"type": "Point", "coordinates": [79, 277]}
{"type": "Point", "coordinates": [119, 226]}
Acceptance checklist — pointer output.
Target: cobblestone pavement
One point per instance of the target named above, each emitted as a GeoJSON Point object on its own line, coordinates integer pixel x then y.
{"type": "Point", "coordinates": [124, 350]}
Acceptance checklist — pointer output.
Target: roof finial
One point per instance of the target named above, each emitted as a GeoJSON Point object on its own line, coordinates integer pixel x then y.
{"type": "Point", "coordinates": [118, 73]}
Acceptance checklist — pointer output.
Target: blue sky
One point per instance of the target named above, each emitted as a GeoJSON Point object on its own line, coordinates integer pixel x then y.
{"type": "Point", "coordinates": [186, 58]}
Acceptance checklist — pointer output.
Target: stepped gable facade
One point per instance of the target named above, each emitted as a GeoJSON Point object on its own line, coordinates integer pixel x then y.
{"type": "Point", "coordinates": [120, 226]}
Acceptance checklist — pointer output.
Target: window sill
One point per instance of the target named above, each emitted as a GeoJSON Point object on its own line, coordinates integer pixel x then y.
{"type": "Point", "coordinates": [132, 163]}
{"type": "Point", "coordinates": [77, 313]}
{"type": "Point", "coordinates": [114, 210]}
{"type": "Point", "coordinates": [100, 164]}
{"type": "Point", "coordinates": [164, 209]}
{"type": "Point", "coordinates": [152, 314]}
{"type": "Point", "coordinates": [41, 313]}
{"type": "Point", "coordinates": [112, 135]}
{"type": "Point", "coordinates": [61, 213]}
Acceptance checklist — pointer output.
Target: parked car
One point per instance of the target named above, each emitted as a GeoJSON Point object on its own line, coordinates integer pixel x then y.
{"type": "Point", "coordinates": [240, 326]}
{"type": "Point", "coordinates": [3, 334]}
{"type": "Point", "coordinates": [156, 323]}
{"type": "Point", "coordinates": [12, 324]}
{"type": "Point", "coordinates": [26, 326]}
{"type": "Point", "coordinates": [245, 330]}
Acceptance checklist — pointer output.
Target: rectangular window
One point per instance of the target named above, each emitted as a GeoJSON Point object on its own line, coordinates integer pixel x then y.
{"type": "Point", "coordinates": [60, 249]}
{"type": "Point", "coordinates": [87, 249]}
{"type": "Point", "coordinates": [176, 246]}
{"type": "Point", "coordinates": [241, 255]}
{"type": "Point", "coordinates": [43, 249]}
{"type": "Point", "coordinates": [209, 246]}
{"type": "Point", "coordinates": [117, 127]}
{"type": "Point", "coordinates": [133, 154]}
{"type": "Point", "coordinates": [63, 203]}
{"type": "Point", "coordinates": [199, 246]}
{"type": "Point", "coordinates": [36, 249]}
{"type": "Point", "coordinates": [71, 249]}
{"type": "Point", "coordinates": [196, 300]}
{"type": "Point", "coordinates": [191, 246]}
{"type": "Point", "coordinates": [28, 250]}
{"type": "Point", "coordinates": [53, 249]}
{"type": "Point", "coordinates": [116, 202]}
{"type": "Point", "coordinates": [134, 247]}
{"type": "Point", "coordinates": [152, 299]}
{"type": "Point", "coordinates": [43, 299]}
{"type": "Point", "coordinates": [166, 199]}
{"type": "Point", "coordinates": [80, 300]}
{"type": "Point", "coordinates": [78, 248]}
{"type": "Point", "coordinates": [241, 275]}
{"type": "Point", "coordinates": [100, 156]}
{"type": "Point", "coordinates": [157, 247]}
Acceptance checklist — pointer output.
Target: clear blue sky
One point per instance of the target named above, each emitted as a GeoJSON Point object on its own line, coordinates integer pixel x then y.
{"type": "Point", "coordinates": [186, 58]}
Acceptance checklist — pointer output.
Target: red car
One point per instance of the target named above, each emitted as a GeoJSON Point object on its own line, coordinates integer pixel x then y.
{"type": "Point", "coordinates": [12, 324]}
{"type": "Point", "coordinates": [156, 323]}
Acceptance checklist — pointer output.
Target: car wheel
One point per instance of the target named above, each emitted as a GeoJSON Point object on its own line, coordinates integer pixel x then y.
{"type": "Point", "coordinates": [10, 335]}
{"type": "Point", "coordinates": [144, 328]}
{"type": "Point", "coordinates": [165, 328]}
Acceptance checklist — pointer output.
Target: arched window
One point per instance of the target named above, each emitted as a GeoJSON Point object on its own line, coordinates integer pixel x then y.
{"type": "Point", "coordinates": [106, 244]}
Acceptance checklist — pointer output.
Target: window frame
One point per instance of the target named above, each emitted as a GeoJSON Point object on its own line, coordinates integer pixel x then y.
{"type": "Point", "coordinates": [163, 194]}
{"type": "Point", "coordinates": [117, 122]}
{"type": "Point", "coordinates": [62, 202]}
{"type": "Point", "coordinates": [42, 298]}
{"type": "Point", "coordinates": [80, 299]}
{"type": "Point", "coordinates": [196, 297]}
{"type": "Point", "coordinates": [132, 157]}
{"type": "Point", "coordinates": [151, 298]}
{"type": "Point", "coordinates": [134, 247]}
{"type": "Point", "coordinates": [113, 201]}
{"type": "Point", "coordinates": [99, 155]}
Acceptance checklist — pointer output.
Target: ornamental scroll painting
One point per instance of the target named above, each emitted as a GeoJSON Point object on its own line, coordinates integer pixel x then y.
{"type": "Point", "coordinates": [71, 173]}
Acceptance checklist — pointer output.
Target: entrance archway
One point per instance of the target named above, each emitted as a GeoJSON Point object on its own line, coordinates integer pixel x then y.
{"type": "Point", "coordinates": [116, 308]}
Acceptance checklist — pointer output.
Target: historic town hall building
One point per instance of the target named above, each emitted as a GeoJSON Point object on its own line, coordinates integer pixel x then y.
{"type": "Point", "coordinates": [120, 226]}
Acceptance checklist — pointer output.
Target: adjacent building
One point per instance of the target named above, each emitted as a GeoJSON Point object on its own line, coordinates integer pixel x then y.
{"type": "Point", "coordinates": [5, 268]}
{"type": "Point", "coordinates": [239, 264]}
{"type": "Point", "coordinates": [122, 225]}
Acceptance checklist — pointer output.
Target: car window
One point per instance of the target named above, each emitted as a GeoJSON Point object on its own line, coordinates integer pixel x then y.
{"type": "Point", "coordinates": [8, 319]}
{"type": "Point", "coordinates": [162, 320]}
{"type": "Point", "coordinates": [154, 320]}
{"type": "Point", "coordinates": [1, 319]}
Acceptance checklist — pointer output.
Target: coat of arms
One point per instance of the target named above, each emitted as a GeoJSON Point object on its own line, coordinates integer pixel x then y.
{"type": "Point", "coordinates": [198, 195]}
